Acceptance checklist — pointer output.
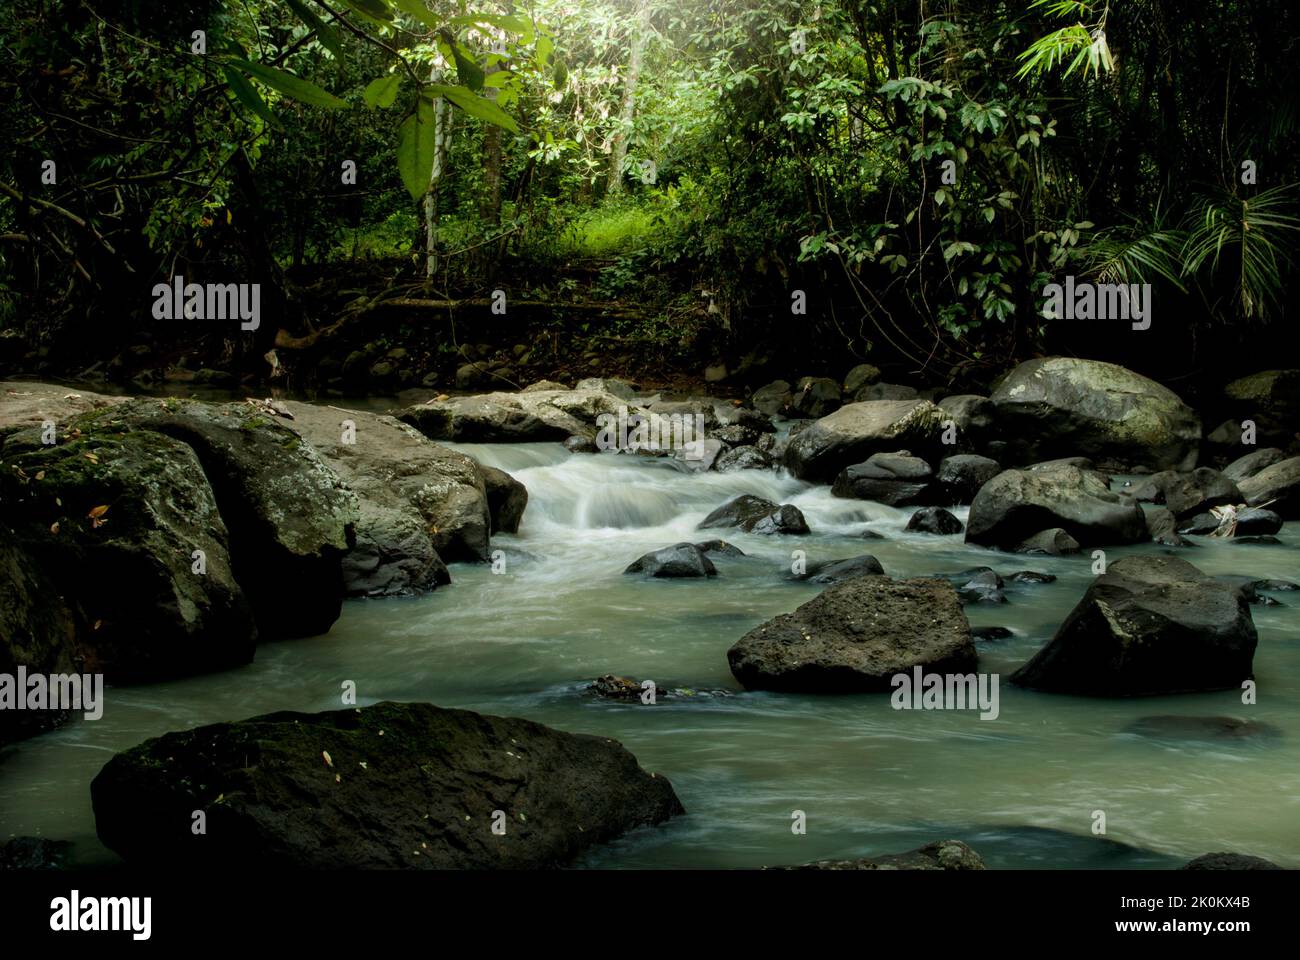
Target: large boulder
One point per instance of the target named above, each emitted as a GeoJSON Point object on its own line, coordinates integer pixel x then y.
{"type": "Point", "coordinates": [391, 786]}
{"type": "Point", "coordinates": [1243, 468]}
{"type": "Point", "coordinates": [898, 479]}
{"type": "Point", "coordinates": [126, 527]}
{"type": "Point", "coordinates": [854, 432]}
{"type": "Point", "coordinates": [1064, 406]}
{"type": "Point", "coordinates": [1017, 504]}
{"type": "Point", "coordinates": [24, 405]}
{"type": "Point", "coordinates": [37, 631]}
{"type": "Point", "coordinates": [855, 636]}
{"type": "Point", "coordinates": [756, 515]}
{"type": "Point", "coordinates": [1270, 400]}
{"type": "Point", "coordinates": [1277, 487]}
{"type": "Point", "coordinates": [421, 505]}
{"type": "Point", "coordinates": [1150, 625]}
{"type": "Point", "coordinates": [291, 518]}
{"type": "Point", "coordinates": [515, 417]}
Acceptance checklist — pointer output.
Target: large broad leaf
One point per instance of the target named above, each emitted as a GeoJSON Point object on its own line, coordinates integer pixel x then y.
{"type": "Point", "coordinates": [475, 106]}
{"type": "Point", "coordinates": [382, 91]}
{"type": "Point", "coordinates": [324, 32]}
{"type": "Point", "coordinates": [520, 25]}
{"type": "Point", "coordinates": [417, 139]}
{"type": "Point", "coordinates": [291, 86]}
{"type": "Point", "coordinates": [376, 9]}
{"type": "Point", "coordinates": [248, 95]}
{"type": "Point", "coordinates": [469, 73]}
{"type": "Point", "coordinates": [417, 10]}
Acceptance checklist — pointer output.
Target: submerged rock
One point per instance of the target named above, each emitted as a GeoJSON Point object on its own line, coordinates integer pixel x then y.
{"type": "Point", "coordinates": [1216, 729]}
{"type": "Point", "coordinates": [756, 515]}
{"type": "Point", "coordinates": [1149, 625]}
{"type": "Point", "coordinates": [391, 786]}
{"type": "Point", "coordinates": [1229, 861]}
{"type": "Point", "coordinates": [1049, 543]}
{"type": "Point", "coordinates": [854, 636]}
{"type": "Point", "coordinates": [940, 855]}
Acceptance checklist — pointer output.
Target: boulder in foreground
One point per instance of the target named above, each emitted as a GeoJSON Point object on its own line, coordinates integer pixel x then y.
{"type": "Point", "coordinates": [1149, 625]}
{"type": "Point", "coordinates": [391, 786]}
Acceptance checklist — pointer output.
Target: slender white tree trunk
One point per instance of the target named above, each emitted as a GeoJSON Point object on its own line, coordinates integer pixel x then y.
{"type": "Point", "coordinates": [619, 150]}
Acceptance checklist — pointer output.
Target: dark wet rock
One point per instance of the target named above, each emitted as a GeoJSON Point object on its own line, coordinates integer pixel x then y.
{"type": "Point", "coordinates": [579, 444]}
{"type": "Point", "coordinates": [33, 853]}
{"type": "Point", "coordinates": [1029, 576]}
{"type": "Point", "coordinates": [773, 399]}
{"type": "Point", "coordinates": [1017, 504]}
{"type": "Point", "coordinates": [960, 477]}
{"type": "Point", "coordinates": [1064, 406]}
{"type": "Point", "coordinates": [421, 504]}
{"type": "Point", "coordinates": [895, 478]}
{"type": "Point", "coordinates": [1164, 528]}
{"type": "Point", "coordinates": [506, 499]}
{"type": "Point", "coordinates": [837, 571]}
{"type": "Point", "coordinates": [1277, 487]}
{"type": "Point", "coordinates": [679, 560]}
{"type": "Point", "coordinates": [854, 636]}
{"type": "Point", "coordinates": [1229, 861]}
{"type": "Point", "coordinates": [990, 633]}
{"type": "Point", "coordinates": [736, 434]}
{"type": "Point", "coordinates": [1049, 543]}
{"type": "Point", "coordinates": [1203, 729]}
{"type": "Point", "coordinates": [1201, 525]}
{"type": "Point", "coordinates": [1276, 585]}
{"type": "Point", "coordinates": [1243, 468]}
{"type": "Point", "coordinates": [854, 432]}
{"type": "Point", "coordinates": [390, 786]}
{"type": "Point", "coordinates": [109, 519]}
{"type": "Point", "coordinates": [1187, 494]}
{"type": "Point", "coordinates": [756, 515]}
{"type": "Point", "coordinates": [1254, 521]}
{"type": "Point", "coordinates": [36, 631]}
{"type": "Point", "coordinates": [934, 520]}
{"type": "Point", "coordinates": [721, 548]}
{"type": "Point", "coordinates": [859, 377]}
{"type": "Point", "coordinates": [975, 418]}
{"type": "Point", "coordinates": [815, 397]}
{"type": "Point", "coordinates": [1149, 625]}
{"type": "Point", "coordinates": [619, 688]}
{"type": "Point", "coordinates": [885, 391]}
{"type": "Point", "coordinates": [742, 458]}
{"type": "Point", "coordinates": [982, 586]}
{"type": "Point", "coordinates": [940, 855]}
{"type": "Point", "coordinates": [1257, 541]}
{"type": "Point", "coordinates": [870, 534]}
{"type": "Point", "coordinates": [1270, 400]}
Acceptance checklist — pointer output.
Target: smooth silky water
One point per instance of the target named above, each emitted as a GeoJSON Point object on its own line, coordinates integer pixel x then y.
{"type": "Point", "coordinates": [1020, 789]}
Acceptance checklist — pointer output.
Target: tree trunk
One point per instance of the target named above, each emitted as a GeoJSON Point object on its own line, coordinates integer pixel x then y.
{"type": "Point", "coordinates": [441, 137]}
{"type": "Point", "coordinates": [491, 207]}
{"type": "Point", "coordinates": [618, 153]}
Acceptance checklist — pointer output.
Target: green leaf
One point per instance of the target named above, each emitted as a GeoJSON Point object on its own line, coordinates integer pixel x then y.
{"type": "Point", "coordinates": [247, 94]}
{"type": "Point", "coordinates": [469, 73]}
{"type": "Point", "coordinates": [289, 85]}
{"type": "Point", "coordinates": [382, 91]}
{"type": "Point", "coordinates": [418, 11]}
{"type": "Point", "coordinates": [544, 47]}
{"type": "Point", "coordinates": [376, 9]}
{"type": "Point", "coordinates": [324, 32]}
{"type": "Point", "coordinates": [520, 25]}
{"type": "Point", "coordinates": [475, 106]}
{"type": "Point", "coordinates": [416, 143]}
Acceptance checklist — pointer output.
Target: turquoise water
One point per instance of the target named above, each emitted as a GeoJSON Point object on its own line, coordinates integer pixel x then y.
{"type": "Point", "coordinates": [1022, 789]}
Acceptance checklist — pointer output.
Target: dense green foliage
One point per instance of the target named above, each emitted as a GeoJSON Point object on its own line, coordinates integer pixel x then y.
{"type": "Point", "coordinates": [920, 169]}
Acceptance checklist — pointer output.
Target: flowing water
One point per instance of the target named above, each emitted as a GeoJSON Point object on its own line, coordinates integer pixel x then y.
{"type": "Point", "coordinates": [1022, 789]}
